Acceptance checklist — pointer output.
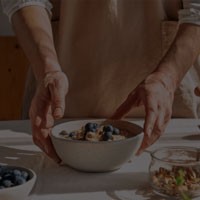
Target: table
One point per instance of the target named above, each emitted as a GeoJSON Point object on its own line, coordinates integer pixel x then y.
{"type": "Point", "coordinates": [56, 182]}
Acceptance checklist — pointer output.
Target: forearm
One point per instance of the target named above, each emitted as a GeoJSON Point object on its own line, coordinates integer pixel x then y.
{"type": "Point", "coordinates": [181, 55]}
{"type": "Point", "coordinates": [33, 29]}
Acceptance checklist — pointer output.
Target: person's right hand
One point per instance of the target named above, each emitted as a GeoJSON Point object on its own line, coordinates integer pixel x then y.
{"type": "Point", "coordinates": [47, 105]}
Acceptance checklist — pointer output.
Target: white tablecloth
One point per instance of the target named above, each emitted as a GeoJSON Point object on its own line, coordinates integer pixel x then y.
{"type": "Point", "coordinates": [56, 182]}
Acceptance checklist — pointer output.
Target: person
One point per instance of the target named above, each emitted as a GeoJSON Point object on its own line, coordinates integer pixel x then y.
{"type": "Point", "coordinates": [108, 59]}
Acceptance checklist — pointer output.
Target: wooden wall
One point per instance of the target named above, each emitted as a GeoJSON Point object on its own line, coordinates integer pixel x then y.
{"type": "Point", "coordinates": [13, 68]}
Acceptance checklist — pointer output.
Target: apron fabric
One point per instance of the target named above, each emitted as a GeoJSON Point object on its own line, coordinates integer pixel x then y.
{"type": "Point", "coordinates": [107, 47]}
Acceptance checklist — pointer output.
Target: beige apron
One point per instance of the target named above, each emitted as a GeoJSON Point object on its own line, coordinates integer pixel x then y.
{"type": "Point", "coordinates": [107, 47]}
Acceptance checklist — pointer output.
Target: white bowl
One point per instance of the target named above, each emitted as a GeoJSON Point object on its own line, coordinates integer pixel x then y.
{"type": "Point", "coordinates": [19, 192]}
{"type": "Point", "coordinates": [99, 156]}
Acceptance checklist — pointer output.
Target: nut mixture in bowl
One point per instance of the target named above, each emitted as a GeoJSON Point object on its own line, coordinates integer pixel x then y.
{"type": "Point", "coordinates": [175, 171]}
{"type": "Point", "coordinates": [177, 181]}
{"type": "Point", "coordinates": [95, 132]}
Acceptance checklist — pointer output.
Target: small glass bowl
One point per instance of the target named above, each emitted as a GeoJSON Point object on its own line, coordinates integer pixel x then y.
{"type": "Point", "coordinates": [175, 172]}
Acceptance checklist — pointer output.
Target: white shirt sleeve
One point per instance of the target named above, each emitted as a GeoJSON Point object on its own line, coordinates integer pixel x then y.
{"type": "Point", "coordinates": [190, 12]}
{"type": "Point", "coordinates": [11, 6]}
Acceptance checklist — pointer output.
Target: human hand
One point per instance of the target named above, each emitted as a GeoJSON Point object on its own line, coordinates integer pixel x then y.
{"type": "Point", "coordinates": [156, 94]}
{"type": "Point", "coordinates": [47, 105]}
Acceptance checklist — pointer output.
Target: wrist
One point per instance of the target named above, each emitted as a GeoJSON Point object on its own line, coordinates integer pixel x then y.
{"type": "Point", "coordinates": [48, 66]}
{"type": "Point", "coordinates": [168, 80]}
{"type": "Point", "coordinates": [51, 66]}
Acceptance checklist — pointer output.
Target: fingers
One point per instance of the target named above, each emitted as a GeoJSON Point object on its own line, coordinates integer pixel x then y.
{"type": "Point", "coordinates": [126, 106]}
{"type": "Point", "coordinates": [149, 126]}
{"type": "Point", "coordinates": [43, 119]}
{"type": "Point", "coordinates": [58, 100]}
{"type": "Point", "coordinates": [57, 84]}
{"type": "Point", "coordinates": [49, 119]}
{"type": "Point", "coordinates": [41, 127]}
{"type": "Point", "coordinates": [154, 127]}
{"type": "Point", "coordinates": [151, 115]}
{"type": "Point", "coordinates": [42, 139]}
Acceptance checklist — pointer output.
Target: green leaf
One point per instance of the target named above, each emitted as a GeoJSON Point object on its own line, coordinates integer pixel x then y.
{"type": "Point", "coordinates": [179, 180]}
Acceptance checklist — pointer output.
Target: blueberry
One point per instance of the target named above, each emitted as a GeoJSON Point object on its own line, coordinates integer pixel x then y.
{"type": "Point", "coordinates": [7, 183]}
{"type": "Point", "coordinates": [20, 180]}
{"type": "Point", "coordinates": [8, 176]}
{"type": "Point", "coordinates": [93, 130]}
{"type": "Point", "coordinates": [89, 127]}
{"type": "Point", "coordinates": [95, 125]}
{"type": "Point", "coordinates": [24, 175]}
{"type": "Point", "coordinates": [17, 172]}
{"type": "Point", "coordinates": [72, 134]}
{"type": "Point", "coordinates": [107, 136]}
{"type": "Point", "coordinates": [8, 171]}
{"type": "Point", "coordinates": [116, 131]}
{"type": "Point", "coordinates": [108, 128]}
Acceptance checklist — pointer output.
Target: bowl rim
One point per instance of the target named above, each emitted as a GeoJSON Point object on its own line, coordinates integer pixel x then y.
{"type": "Point", "coordinates": [191, 163]}
{"type": "Point", "coordinates": [94, 142]}
{"type": "Point", "coordinates": [34, 176]}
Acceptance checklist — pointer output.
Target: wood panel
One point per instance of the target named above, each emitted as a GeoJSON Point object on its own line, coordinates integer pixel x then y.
{"type": "Point", "coordinates": [13, 68]}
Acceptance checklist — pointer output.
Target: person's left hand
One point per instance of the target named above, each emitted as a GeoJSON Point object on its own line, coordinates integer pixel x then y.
{"type": "Point", "coordinates": [156, 93]}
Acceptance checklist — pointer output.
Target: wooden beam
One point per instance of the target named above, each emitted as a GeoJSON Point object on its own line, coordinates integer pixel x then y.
{"type": "Point", "coordinates": [13, 69]}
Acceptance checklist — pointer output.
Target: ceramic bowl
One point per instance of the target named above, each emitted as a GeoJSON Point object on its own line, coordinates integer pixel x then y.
{"type": "Point", "coordinates": [99, 156]}
{"type": "Point", "coordinates": [175, 172]}
{"type": "Point", "coordinates": [19, 192]}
